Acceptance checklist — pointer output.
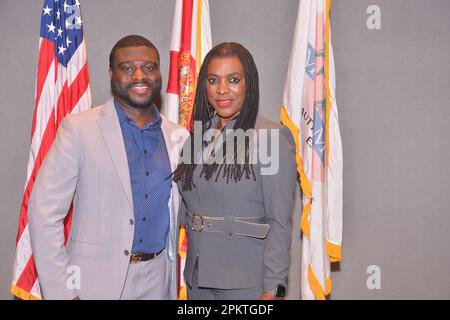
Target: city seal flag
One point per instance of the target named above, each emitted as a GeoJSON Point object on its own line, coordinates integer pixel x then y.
{"type": "Point", "coordinates": [309, 110]}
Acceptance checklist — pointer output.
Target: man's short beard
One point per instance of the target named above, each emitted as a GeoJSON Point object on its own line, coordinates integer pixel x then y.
{"type": "Point", "coordinates": [124, 95]}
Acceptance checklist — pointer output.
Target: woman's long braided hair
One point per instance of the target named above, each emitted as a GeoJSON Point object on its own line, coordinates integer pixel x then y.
{"type": "Point", "coordinates": [204, 112]}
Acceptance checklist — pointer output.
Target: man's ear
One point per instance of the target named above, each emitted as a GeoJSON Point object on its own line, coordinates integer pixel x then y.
{"type": "Point", "coordinates": [110, 73]}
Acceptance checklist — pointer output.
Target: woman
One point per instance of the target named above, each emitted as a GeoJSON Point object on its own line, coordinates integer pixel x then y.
{"type": "Point", "coordinates": [237, 210]}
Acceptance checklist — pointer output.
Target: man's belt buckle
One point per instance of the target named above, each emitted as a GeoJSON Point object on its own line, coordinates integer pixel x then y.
{"type": "Point", "coordinates": [135, 258]}
{"type": "Point", "coordinates": [197, 223]}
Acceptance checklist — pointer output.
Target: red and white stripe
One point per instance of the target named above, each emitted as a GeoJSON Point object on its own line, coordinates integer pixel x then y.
{"type": "Point", "coordinates": [60, 91]}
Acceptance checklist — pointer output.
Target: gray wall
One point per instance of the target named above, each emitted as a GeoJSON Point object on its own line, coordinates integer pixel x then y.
{"type": "Point", "coordinates": [393, 97]}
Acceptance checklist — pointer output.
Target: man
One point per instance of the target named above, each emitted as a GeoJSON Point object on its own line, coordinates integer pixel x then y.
{"type": "Point", "coordinates": [114, 163]}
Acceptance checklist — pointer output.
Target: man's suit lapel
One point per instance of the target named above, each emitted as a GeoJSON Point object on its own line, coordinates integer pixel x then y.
{"type": "Point", "coordinates": [170, 144]}
{"type": "Point", "coordinates": [112, 134]}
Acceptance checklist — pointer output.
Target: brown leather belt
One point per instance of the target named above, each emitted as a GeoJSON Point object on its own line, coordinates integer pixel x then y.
{"type": "Point", "coordinates": [138, 257]}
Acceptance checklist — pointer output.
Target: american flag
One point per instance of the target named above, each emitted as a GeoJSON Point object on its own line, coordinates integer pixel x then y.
{"type": "Point", "coordinates": [62, 88]}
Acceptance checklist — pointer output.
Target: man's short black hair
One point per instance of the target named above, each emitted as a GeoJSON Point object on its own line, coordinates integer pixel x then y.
{"type": "Point", "coordinates": [130, 41]}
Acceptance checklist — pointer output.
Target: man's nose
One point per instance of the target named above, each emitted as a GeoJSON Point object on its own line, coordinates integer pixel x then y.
{"type": "Point", "coordinates": [138, 73]}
